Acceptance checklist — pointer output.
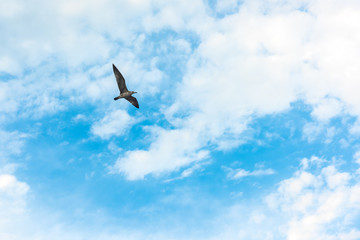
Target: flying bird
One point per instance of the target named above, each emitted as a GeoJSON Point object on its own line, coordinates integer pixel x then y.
{"type": "Point", "coordinates": [124, 92]}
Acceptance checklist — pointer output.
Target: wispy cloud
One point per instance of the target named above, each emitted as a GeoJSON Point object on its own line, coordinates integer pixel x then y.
{"type": "Point", "coordinates": [241, 173]}
{"type": "Point", "coordinates": [11, 143]}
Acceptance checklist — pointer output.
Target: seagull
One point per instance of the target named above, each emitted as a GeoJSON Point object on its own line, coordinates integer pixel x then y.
{"type": "Point", "coordinates": [124, 92]}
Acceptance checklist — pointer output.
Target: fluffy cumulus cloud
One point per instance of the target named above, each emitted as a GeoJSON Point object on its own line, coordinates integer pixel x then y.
{"type": "Point", "coordinates": [172, 149]}
{"type": "Point", "coordinates": [251, 63]}
{"type": "Point", "coordinates": [13, 194]}
{"type": "Point", "coordinates": [318, 201]}
{"type": "Point", "coordinates": [319, 206]}
{"type": "Point", "coordinates": [11, 189]}
{"type": "Point", "coordinates": [114, 124]}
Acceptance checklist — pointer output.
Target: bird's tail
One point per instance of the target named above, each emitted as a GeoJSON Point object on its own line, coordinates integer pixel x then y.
{"type": "Point", "coordinates": [116, 98]}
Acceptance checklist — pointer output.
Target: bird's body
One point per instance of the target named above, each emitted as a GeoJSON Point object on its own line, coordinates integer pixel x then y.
{"type": "Point", "coordinates": [124, 92]}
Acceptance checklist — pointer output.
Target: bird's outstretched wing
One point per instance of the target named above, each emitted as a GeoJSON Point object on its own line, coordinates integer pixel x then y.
{"type": "Point", "coordinates": [120, 80]}
{"type": "Point", "coordinates": [133, 101]}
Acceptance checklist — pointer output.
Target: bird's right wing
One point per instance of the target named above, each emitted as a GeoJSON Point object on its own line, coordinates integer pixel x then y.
{"type": "Point", "coordinates": [120, 80]}
{"type": "Point", "coordinates": [133, 101]}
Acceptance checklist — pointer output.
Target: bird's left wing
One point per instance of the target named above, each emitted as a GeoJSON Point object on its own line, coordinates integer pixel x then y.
{"type": "Point", "coordinates": [120, 80]}
{"type": "Point", "coordinates": [133, 101]}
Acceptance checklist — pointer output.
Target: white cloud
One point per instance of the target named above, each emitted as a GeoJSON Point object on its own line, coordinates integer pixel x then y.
{"type": "Point", "coordinates": [55, 57]}
{"type": "Point", "coordinates": [11, 143]}
{"type": "Point", "coordinates": [312, 130]}
{"type": "Point", "coordinates": [249, 64]}
{"type": "Point", "coordinates": [172, 150]}
{"type": "Point", "coordinates": [355, 129]}
{"type": "Point", "coordinates": [177, 15]}
{"type": "Point", "coordinates": [79, 117]}
{"type": "Point", "coordinates": [253, 62]}
{"type": "Point", "coordinates": [306, 163]}
{"type": "Point", "coordinates": [188, 171]}
{"type": "Point", "coordinates": [327, 109]}
{"type": "Point", "coordinates": [10, 9]}
{"type": "Point", "coordinates": [115, 123]}
{"type": "Point", "coordinates": [13, 194]}
{"type": "Point", "coordinates": [241, 173]}
{"type": "Point", "coordinates": [11, 187]}
{"type": "Point", "coordinates": [314, 205]}
{"type": "Point", "coordinates": [357, 157]}
{"type": "Point", "coordinates": [305, 206]}
{"type": "Point", "coordinates": [227, 5]}
{"type": "Point", "coordinates": [320, 202]}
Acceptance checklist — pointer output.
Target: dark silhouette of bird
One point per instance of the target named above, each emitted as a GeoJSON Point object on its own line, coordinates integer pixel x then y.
{"type": "Point", "coordinates": [124, 92]}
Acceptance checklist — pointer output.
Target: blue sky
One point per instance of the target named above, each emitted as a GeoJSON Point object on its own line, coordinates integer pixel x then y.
{"type": "Point", "coordinates": [248, 126]}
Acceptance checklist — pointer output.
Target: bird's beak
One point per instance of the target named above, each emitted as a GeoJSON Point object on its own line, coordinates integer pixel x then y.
{"type": "Point", "coordinates": [135, 92]}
